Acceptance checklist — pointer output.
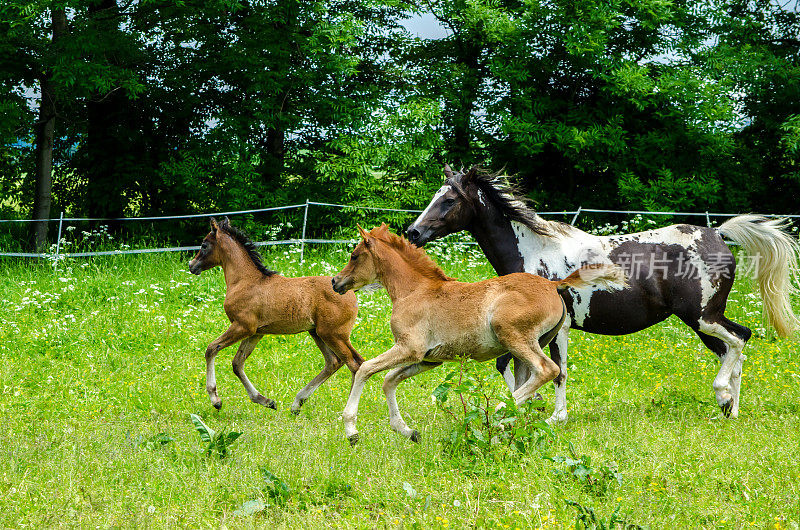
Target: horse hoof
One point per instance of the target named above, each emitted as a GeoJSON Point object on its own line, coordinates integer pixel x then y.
{"type": "Point", "coordinates": [296, 411]}
{"type": "Point", "coordinates": [353, 439]}
{"type": "Point", "coordinates": [217, 405]}
{"type": "Point", "coordinates": [727, 407]}
{"type": "Point", "coordinates": [415, 436]}
{"type": "Point", "coordinates": [270, 404]}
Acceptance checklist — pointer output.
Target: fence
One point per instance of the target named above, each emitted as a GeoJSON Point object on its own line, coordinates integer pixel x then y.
{"type": "Point", "coordinates": [302, 241]}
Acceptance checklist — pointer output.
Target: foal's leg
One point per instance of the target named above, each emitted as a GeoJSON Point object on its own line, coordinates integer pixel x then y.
{"type": "Point", "coordinates": [390, 382]}
{"type": "Point", "coordinates": [332, 364]}
{"type": "Point", "coordinates": [394, 356]}
{"type": "Point", "coordinates": [522, 373]}
{"type": "Point", "coordinates": [528, 351]}
{"type": "Point", "coordinates": [725, 384]}
{"type": "Point", "coordinates": [232, 335]}
{"type": "Point", "coordinates": [245, 349]}
{"type": "Point", "coordinates": [558, 353]}
{"type": "Point", "coordinates": [340, 344]}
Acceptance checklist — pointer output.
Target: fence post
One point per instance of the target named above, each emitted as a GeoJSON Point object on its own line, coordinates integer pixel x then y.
{"type": "Point", "coordinates": [303, 242]}
{"type": "Point", "coordinates": [58, 242]}
{"type": "Point", "coordinates": [708, 219]}
{"type": "Point", "coordinates": [576, 216]}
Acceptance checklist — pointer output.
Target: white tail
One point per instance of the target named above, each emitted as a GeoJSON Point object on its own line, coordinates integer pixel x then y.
{"type": "Point", "coordinates": [607, 277]}
{"type": "Point", "coordinates": [776, 253]}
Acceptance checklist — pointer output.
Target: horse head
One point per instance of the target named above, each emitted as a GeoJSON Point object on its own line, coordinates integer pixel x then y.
{"type": "Point", "coordinates": [450, 210]}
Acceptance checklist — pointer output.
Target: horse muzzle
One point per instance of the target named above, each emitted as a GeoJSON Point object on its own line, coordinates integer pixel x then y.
{"type": "Point", "coordinates": [194, 268]}
{"type": "Point", "coordinates": [341, 286]}
{"type": "Point", "coordinates": [419, 236]}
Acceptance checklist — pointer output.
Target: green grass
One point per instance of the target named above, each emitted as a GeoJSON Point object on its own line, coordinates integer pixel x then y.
{"type": "Point", "coordinates": [106, 354]}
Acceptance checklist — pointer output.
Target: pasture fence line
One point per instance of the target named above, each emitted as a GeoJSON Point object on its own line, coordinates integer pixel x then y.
{"type": "Point", "coordinates": [56, 253]}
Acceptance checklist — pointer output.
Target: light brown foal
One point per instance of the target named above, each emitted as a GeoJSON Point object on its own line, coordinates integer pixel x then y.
{"type": "Point", "coordinates": [259, 302]}
{"type": "Point", "coordinates": [436, 318]}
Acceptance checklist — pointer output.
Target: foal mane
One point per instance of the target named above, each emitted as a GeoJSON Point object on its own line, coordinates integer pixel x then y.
{"type": "Point", "coordinates": [511, 201]}
{"type": "Point", "coordinates": [247, 243]}
{"type": "Point", "coordinates": [414, 255]}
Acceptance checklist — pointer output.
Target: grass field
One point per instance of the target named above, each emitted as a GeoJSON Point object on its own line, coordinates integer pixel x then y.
{"type": "Point", "coordinates": [102, 357]}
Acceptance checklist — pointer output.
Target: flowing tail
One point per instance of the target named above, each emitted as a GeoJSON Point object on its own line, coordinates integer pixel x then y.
{"type": "Point", "coordinates": [607, 277]}
{"type": "Point", "coordinates": [776, 253]}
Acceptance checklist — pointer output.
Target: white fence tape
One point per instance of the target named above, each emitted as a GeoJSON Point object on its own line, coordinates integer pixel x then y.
{"type": "Point", "coordinates": [303, 240]}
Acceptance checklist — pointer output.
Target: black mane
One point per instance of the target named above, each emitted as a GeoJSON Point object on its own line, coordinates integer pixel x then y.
{"type": "Point", "coordinates": [241, 238]}
{"type": "Point", "coordinates": [511, 201]}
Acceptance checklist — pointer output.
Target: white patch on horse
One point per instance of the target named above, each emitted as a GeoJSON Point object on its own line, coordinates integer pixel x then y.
{"type": "Point", "coordinates": [480, 197]}
{"type": "Point", "coordinates": [444, 189]}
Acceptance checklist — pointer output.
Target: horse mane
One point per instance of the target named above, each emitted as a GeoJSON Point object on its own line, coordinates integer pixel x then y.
{"type": "Point", "coordinates": [247, 243]}
{"type": "Point", "coordinates": [414, 255]}
{"type": "Point", "coordinates": [511, 201]}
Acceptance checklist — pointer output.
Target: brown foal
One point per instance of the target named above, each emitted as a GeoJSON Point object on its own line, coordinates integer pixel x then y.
{"type": "Point", "coordinates": [436, 318]}
{"type": "Point", "coordinates": [261, 302]}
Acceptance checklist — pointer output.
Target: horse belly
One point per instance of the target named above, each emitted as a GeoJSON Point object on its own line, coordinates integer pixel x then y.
{"type": "Point", "coordinates": [286, 327]}
{"type": "Point", "coordinates": [615, 313]}
{"type": "Point", "coordinates": [478, 348]}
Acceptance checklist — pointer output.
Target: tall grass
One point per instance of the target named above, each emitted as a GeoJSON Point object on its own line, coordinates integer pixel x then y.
{"type": "Point", "coordinates": [103, 365]}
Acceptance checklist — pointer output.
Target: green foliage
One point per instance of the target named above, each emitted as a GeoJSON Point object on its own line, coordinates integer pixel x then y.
{"type": "Point", "coordinates": [481, 429]}
{"type": "Point", "coordinates": [587, 519]}
{"type": "Point", "coordinates": [597, 479]}
{"type": "Point", "coordinates": [157, 441]}
{"type": "Point", "coordinates": [217, 443]}
{"type": "Point", "coordinates": [182, 107]}
{"type": "Point", "coordinates": [275, 488]}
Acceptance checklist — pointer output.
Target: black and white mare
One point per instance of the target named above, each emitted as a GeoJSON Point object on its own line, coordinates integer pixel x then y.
{"type": "Point", "coordinates": [681, 270]}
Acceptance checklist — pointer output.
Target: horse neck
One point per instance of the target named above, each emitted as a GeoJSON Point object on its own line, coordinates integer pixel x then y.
{"type": "Point", "coordinates": [236, 264]}
{"type": "Point", "coordinates": [495, 234]}
{"type": "Point", "coordinates": [510, 246]}
{"type": "Point", "coordinates": [399, 277]}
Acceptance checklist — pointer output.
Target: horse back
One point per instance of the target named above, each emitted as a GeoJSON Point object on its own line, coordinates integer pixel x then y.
{"type": "Point", "coordinates": [284, 305]}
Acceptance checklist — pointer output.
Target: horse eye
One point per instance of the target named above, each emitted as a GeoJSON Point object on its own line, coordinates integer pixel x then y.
{"type": "Point", "coordinates": [353, 257]}
{"type": "Point", "coordinates": [449, 201]}
{"type": "Point", "coordinates": [204, 246]}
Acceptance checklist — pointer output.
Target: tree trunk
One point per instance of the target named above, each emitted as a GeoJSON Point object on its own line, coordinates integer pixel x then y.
{"type": "Point", "coordinates": [465, 103]}
{"type": "Point", "coordinates": [45, 133]}
{"type": "Point", "coordinates": [110, 158]}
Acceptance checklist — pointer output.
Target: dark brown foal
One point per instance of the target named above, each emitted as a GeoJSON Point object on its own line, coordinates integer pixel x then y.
{"type": "Point", "coordinates": [259, 302]}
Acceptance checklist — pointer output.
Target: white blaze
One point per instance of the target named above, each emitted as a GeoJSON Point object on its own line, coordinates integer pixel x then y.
{"type": "Point", "coordinates": [444, 189]}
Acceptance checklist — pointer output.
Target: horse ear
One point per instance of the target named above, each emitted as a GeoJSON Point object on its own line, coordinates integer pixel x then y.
{"type": "Point", "coordinates": [383, 229]}
{"type": "Point", "coordinates": [447, 171]}
{"type": "Point", "coordinates": [363, 233]}
{"type": "Point", "coordinates": [471, 174]}
{"type": "Point", "coordinates": [214, 225]}
{"type": "Point", "coordinates": [225, 221]}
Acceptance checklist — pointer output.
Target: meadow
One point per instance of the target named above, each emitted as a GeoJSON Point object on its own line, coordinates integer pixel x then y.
{"type": "Point", "coordinates": [102, 365]}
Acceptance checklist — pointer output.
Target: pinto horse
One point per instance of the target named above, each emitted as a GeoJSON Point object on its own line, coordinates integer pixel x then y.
{"type": "Point", "coordinates": [495, 316]}
{"type": "Point", "coordinates": [681, 270]}
{"type": "Point", "coordinates": [259, 301]}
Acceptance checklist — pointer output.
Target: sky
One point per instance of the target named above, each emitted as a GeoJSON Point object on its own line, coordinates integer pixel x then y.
{"type": "Point", "coordinates": [425, 26]}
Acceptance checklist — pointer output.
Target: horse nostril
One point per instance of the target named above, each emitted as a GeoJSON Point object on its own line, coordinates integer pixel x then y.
{"type": "Point", "coordinates": [413, 234]}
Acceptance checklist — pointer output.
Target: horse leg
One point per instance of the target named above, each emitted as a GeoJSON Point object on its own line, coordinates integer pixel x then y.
{"type": "Point", "coordinates": [390, 382]}
{"type": "Point", "coordinates": [744, 334]}
{"type": "Point", "coordinates": [339, 342]}
{"type": "Point", "coordinates": [503, 365]}
{"type": "Point", "coordinates": [529, 352]}
{"type": "Point", "coordinates": [521, 373]}
{"type": "Point", "coordinates": [558, 353]}
{"type": "Point", "coordinates": [728, 380]}
{"type": "Point", "coordinates": [245, 349]}
{"type": "Point", "coordinates": [232, 335]}
{"type": "Point", "coordinates": [332, 364]}
{"type": "Point", "coordinates": [394, 356]}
